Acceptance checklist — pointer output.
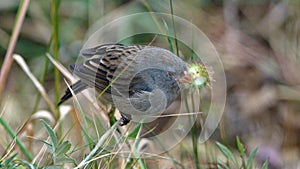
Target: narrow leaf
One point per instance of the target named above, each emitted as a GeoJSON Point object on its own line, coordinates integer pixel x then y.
{"type": "Point", "coordinates": [265, 165]}
{"type": "Point", "coordinates": [251, 158]}
{"type": "Point", "coordinates": [64, 161]}
{"type": "Point", "coordinates": [100, 142]}
{"type": "Point", "coordinates": [19, 59]}
{"type": "Point", "coordinates": [61, 68]}
{"type": "Point", "coordinates": [51, 134]}
{"type": "Point", "coordinates": [27, 164]}
{"type": "Point", "coordinates": [227, 153]}
{"type": "Point", "coordinates": [12, 134]}
{"type": "Point", "coordinates": [169, 36]}
{"type": "Point", "coordinates": [63, 148]}
{"type": "Point", "coordinates": [222, 165]}
{"type": "Point", "coordinates": [13, 166]}
{"type": "Point", "coordinates": [240, 146]}
{"type": "Point", "coordinates": [135, 132]}
{"type": "Point", "coordinates": [10, 159]}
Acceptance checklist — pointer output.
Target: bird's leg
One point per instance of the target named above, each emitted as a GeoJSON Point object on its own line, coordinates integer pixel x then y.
{"type": "Point", "coordinates": [125, 119]}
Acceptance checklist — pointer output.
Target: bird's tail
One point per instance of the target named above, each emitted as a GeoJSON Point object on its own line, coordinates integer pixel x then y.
{"type": "Point", "coordinates": [76, 88]}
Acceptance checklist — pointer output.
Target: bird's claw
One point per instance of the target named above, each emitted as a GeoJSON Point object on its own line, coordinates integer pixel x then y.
{"type": "Point", "coordinates": [124, 120]}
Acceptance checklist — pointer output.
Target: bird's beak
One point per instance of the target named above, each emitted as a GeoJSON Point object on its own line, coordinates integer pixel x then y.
{"type": "Point", "coordinates": [186, 78]}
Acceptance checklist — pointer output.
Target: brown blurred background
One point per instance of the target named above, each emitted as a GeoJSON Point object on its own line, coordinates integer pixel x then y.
{"type": "Point", "coordinates": [258, 43]}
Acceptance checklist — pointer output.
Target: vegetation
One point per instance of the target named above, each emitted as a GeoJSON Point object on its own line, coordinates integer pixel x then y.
{"type": "Point", "coordinates": [257, 43]}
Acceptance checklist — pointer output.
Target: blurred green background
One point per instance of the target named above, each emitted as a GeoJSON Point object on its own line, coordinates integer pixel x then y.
{"type": "Point", "coordinates": [258, 43]}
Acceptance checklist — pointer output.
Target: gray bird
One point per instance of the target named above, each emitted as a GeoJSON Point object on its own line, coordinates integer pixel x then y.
{"type": "Point", "coordinates": [139, 80]}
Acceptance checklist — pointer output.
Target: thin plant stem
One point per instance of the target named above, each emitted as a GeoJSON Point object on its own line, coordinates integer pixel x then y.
{"type": "Point", "coordinates": [8, 57]}
{"type": "Point", "coordinates": [38, 96]}
{"type": "Point", "coordinates": [145, 3]}
{"type": "Point", "coordinates": [42, 80]}
{"type": "Point", "coordinates": [195, 137]}
{"type": "Point", "coordinates": [97, 146]}
{"type": "Point", "coordinates": [19, 59]}
{"type": "Point", "coordinates": [55, 46]}
{"type": "Point", "coordinates": [14, 136]}
{"type": "Point", "coordinates": [173, 23]}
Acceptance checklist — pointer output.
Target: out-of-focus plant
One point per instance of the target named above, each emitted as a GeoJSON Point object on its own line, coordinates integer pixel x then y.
{"type": "Point", "coordinates": [232, 162]}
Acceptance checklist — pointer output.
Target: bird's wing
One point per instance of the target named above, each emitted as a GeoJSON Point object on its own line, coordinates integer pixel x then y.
{"type": "Point", "coordinates": [99, 69]}
{"type": "Point", "coordinates": [97, 50]}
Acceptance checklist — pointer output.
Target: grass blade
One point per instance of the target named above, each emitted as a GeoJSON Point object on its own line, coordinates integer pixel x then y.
{"type": "Point", "coordinates": [13, 135]}
{"type": "Point", "coordinates": [51, 134]}
{"type": "Point", "coordinates": [265, 165]}
{"type": "Point", "coordinates": [227, 153]}
{"type": "Point", "coordinates": [169, 37]}
{"type": "Point", "coordinates": [222, 164]}
{"type": "Point", "coordinates": [250, 161]}
{"type": "Point", "coordinates": [98, 145]}
{"type": "Point", "coordinates": [54, 5]}
{"type": "Point", "coordinates": [8, 57]}
{"type": "Point", "coordinates": [241, 149]}
{"type": "Point", "coordinates": [176, 42]}
{"type": "Point", "coordinates": [240, 146]}
{"type": "Point", "coordinates": [37, 84]}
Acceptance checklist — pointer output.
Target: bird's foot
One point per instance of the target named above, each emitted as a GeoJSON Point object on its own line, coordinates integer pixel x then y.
{"type": "Point", "coordinates": [125, 119]}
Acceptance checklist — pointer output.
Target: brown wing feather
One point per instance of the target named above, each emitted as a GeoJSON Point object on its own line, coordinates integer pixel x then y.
{"type": "Point", "coordinates": [98, 70]}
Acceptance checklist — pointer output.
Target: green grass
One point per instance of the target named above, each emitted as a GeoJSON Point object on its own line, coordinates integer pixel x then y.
{"type": "Point", "coordinates": [94, 150]}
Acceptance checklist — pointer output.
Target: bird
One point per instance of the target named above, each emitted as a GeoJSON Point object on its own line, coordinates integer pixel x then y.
{"type": "Point", "coordinates": [137, 79]}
